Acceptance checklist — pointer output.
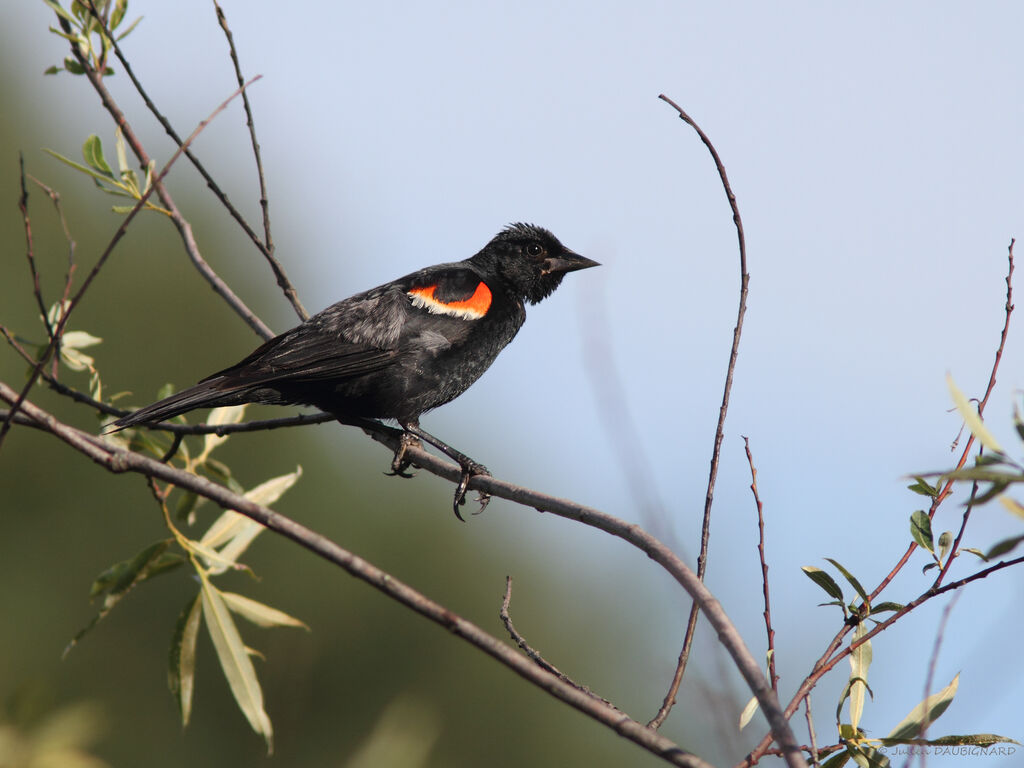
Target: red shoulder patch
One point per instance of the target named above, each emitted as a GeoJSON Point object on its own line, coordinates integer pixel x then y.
{"type": "Point", "coordinates": [473, 308]}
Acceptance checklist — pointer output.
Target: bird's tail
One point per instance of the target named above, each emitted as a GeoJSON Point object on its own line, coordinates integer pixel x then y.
{"type": "Point", "coordinates": [211, 393]}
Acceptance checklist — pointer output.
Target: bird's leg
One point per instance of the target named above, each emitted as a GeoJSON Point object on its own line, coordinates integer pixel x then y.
{"type": "Point", "coordinates": [469, 467]}
{"type": "Point", "coordinates": [405, 440]}
{"type": "Point", "coordinates": [401, 462]}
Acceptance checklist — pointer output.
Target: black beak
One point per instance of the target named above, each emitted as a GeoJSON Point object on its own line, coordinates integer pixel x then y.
{"type": "Point", "coordinates": [567, 262]}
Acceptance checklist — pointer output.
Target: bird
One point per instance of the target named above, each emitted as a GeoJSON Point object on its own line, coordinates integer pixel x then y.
{"type": "Point", "coordinates": [396, 351]}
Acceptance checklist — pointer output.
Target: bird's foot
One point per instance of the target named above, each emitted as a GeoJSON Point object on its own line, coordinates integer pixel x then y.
{"type": "Point", "coordinates": [470, 469]}
{"type": "Point", "coordinates": [402, 462]}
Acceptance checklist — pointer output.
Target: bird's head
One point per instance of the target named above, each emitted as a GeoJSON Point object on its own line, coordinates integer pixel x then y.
{"type": "Point", "coordinates": [530, 259]}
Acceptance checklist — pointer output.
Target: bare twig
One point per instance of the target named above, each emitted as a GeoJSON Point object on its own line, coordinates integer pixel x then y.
{"type": "Point", "coordinates": [37, 290]}
{"type": "Point", "coordinates": [772, 677]}
{"type": "Point", "coordinates": [948, 487]}
{"type": "Point", "coordinates": [932, 664]}
{"type": "Point", "coordinates": [73, 303]}
{"type": "Point", "coordinates": [110, 456]}
{"type": "Point", "coordinates": [180, 222]}
{"type": "Point", "coordinates": [266, 248]}
{"type": "Point", "coordinates": [691, 625]}
{"type": "Point", "coordinates": [533, 654]}
{"type": "Point", "coordinates": [812, 737]}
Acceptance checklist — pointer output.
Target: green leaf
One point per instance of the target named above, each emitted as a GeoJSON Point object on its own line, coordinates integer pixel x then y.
{"type": "Point", "coordinates": [928, 711]}
{"type": "Point", "coordinates": [56, 8]}
{"type": "Point", "coordinates": [974, 740]}
{"type": "Point", "coordinates": [260, 614]}
{"type": "Point", "coordinates": [128, 31]}
{"type": "Point", "coordinates": [976, 552]}
{"type": "Point", "coordinates": [921, 530]}
{"type": "Point", "coordinates": [972, 418]}
{"type": "Point", "coordinates": [181, 671]}
{"type": "Point", "coordinates": [824, 581]}
{"type": "Point", "coordinates": [53, 70]}
{"type": "Point", "coordinates": [1004, 546]}
{"type": "Point", "coordinates": [922, 487]}
{"type": "Point", "coordinates": [117, 15]}
{"type": "Point", "coordinates": [72, 66]}
{"type": "Point", "coordinates": [838, 760]}
{"type": "Point", "coordinates": [886, 606]}
{"type": "Point", "coordinates": [860, 662]}
{"type": "Point", "coordinates": [945, 542]}
{"type": "Point", "coordinates": [867, 757]}
{"type": "Point", "coordinates": [92, 151]}
{"type": "Point", "coordinates": [861, 592]}
{"type": "Point", "coordinates": [234, 660]}
{"type": "Point", "coordinates": [76, 166]}
{"type": "Point", "coordinates": [121, 577]}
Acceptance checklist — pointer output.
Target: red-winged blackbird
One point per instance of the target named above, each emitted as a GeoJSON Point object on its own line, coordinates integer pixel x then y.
{"type": "Point", "coordinates": [398, 350]}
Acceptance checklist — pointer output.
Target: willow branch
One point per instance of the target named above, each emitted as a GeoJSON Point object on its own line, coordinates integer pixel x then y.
{"type": "Point", "coordinates": [112, 457]}
{"type": "Point", "coordinates": [180, 222]}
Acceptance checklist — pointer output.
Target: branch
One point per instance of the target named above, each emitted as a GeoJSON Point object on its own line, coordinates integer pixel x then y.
{"type": "Point", "coordinates": [772, 677]}
{"type": "Point", "coordinates": [684, 653]}
{"type": "Point", "coordinates": [532, 654]}
{"type": "Point", "coordinates": [102, 260]}
{"type": "Point", "coordinates": [116, 459]}
{"type": "Point", "coordinates": [182, 225]}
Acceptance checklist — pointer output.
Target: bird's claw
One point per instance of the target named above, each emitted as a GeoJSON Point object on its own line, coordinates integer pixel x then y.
{"type": "Point", "coordinates": [400, 463]}
{"type": "Point", "coordinates": [470, 470]}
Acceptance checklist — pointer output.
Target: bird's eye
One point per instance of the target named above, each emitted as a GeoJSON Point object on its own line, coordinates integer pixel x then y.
{"type": "Point", "coordinates": [535, 249]}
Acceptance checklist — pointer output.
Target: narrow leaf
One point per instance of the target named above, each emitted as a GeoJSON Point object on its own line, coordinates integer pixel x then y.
{"type": "Point", "coordinates": [1012, 506]}
{"type": "Point", "coordinates": [181, 671]}
{"type": "Point", "coordinates": [886, 606]}
{"type": "Point", "coordinates": [258, 613]}
{"type": "Point", "coordinates": [838, 760]}
{"type": "Point", "coordinates": [860, 662]}
{"type": "Point", "coordinates": [921, 530]}
{"type": "Point", "coordinates": [824, 581]}
{"type": "Point", "coordinates": [231, 414]}
{"type": "Point", "coordinates": [971, 417]}
{"type": "Point", "coordinates": [235, 661]}
{"type": "Point", "coordinates": [922, 487]}
{"type": "Point", "coordinates": [1004, 546]}
{"type": "Point", "coordinates": [92, 152]}
{"type": "Point", "coordinates": [861, 592]}
{"type": "Point", "coordinates": [748, 712]}
{"type": "Point", "coordinates": [928, 711]}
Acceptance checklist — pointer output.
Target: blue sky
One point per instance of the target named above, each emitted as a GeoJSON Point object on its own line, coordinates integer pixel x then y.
{"type": "Point", "coordinates": [876, 154]}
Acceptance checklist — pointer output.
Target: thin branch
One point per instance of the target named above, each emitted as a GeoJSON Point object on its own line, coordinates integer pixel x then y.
{"type": "Point", "coordinates": [267, 248]}
{"type": "Point", "coordinates": [772, 676]}
{"type": "Point", "coordinates": [815, 759]}
{"type": "Point", "coordinates": [180, 222]}
{"type": "Point", "coordinates": [121, 230]}
{"type": "Point", "coordinates": [932, 664]}
{"type": "Point", "coordinates": [726, 632]}
{"type": "Point", "coordinates": [533, 654]}
{"type": "Point", "coordinates": [948, 487]}
{"type": "Point", "coordinates": [691, 626]}
{"type": "Point", "coordinates": [824, 665]}
{"type": "Point", "coordinates": [37, 290]}
{"type": "Point", "coordinates": [116, 459]}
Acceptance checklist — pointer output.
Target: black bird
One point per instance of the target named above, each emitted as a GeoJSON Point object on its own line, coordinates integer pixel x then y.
{"type": "Point", "coordinates": [398, 350]}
